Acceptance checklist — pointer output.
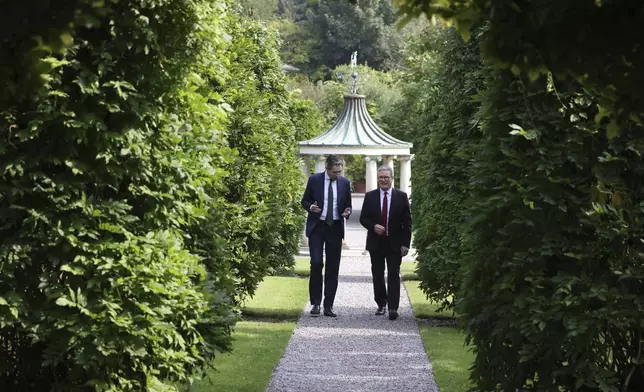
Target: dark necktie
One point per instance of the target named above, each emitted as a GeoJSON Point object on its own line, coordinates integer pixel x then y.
{"type": "Point", "coordinates": [329, 205]}
{"type": "Point", "coordinates": [385, 211]}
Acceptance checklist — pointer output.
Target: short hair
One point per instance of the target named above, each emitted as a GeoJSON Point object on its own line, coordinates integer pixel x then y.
{"type": "Point", "coordinates": [333, 160]}
{"type": "Point", "coordinates": [387, 168]}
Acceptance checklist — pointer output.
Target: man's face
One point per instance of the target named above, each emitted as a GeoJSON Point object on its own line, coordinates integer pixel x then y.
{"type": "Point", "coordinates": [334, 171]}
{"type": "Point", "coordinates": [384, 179]}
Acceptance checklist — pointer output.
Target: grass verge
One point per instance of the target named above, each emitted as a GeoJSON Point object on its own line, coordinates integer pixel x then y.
{"type": "Point", "coordinates": [423, 307]}
{"type": "Point", "coordinates": [278, 297]}
{"type": "Point", "coordinates": [257, 348]}
{"type": "Point", "coordinates": [445, 347]}
{"type": "Point", "coordinates": [450, 359]}
{"type": "Point", "coordinates": [302, 266]}
{"type": "Point", "coordinates": [258, 343]}
{"type": "Point", "coordinates": [408, 270]}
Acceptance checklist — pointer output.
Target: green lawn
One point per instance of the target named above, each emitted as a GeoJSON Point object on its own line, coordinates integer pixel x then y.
{"type": "Point", "coordinates": [257, 348]}
{"type": "Point", "coordinates": [444, 345]}
{"type": "Point", "coordinates": [450, 358]}
{"type": "Point", "coordinates": [302, 266]}
{"type": "Point", "coordinates": [259, 344]}
{"type": "Point", "coordinates": [423, 308]}
{"type": "Point", "coordinates": [278, 297]}
{"type": "Point", "coordinates": [408, 270]}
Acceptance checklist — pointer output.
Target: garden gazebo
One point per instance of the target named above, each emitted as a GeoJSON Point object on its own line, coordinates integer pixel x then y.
{"type": "Point", "coordinates": [355, 133]}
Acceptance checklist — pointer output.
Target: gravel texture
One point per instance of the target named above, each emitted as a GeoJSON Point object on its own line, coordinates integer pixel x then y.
{"type": "Point", "coordinates": [357, 351]}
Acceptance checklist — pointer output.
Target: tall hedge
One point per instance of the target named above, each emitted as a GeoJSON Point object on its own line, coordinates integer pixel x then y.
{"type": "Point", "coordinates": [263, 221]}
{"type": "Point", "coordinates": [550, 296]}
{"type": "Point", "coordinates": [440, 109]}
{"type": "Point", "coordinates": [552, 285]}
{"type": "Point", "coordinates": [111, 160]}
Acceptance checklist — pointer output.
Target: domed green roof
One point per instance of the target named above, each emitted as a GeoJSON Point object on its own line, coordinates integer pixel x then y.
{"type": "Point", "coordinates": [355, 128]}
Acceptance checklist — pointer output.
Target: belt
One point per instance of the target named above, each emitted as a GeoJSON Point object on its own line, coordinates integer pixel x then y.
{"type": "Point", "coordinates": [334, 221]}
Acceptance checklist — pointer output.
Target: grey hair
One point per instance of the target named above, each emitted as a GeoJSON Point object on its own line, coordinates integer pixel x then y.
{"type": "Point", "coordinates": [387, 168]}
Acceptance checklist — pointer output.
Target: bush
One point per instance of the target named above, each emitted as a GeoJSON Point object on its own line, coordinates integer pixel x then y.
{"type": "Point", "coordinates": [108, 167]}
{"type": "Point", "coordinates": [546, 299]}
{"type": "Point", "coordinates": [147, 185]}
{"type": "Point", "coordinates": [440, 108]}
{"type": "Point", "coordinates": [552, 295]}
{"type": "Point", "coordinates": [264, 221]}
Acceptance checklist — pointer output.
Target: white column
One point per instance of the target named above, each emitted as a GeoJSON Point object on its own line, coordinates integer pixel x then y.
{"type": "Point", "coordinates": [305, 165]}
{"type": "Point", "coordinates": [320, 164]}
{"type": "Point", "coordinates": [371, 180]}
{"type": "Point", "coordinates": [388, 160]}
{"type": "Point", "coordinates": [405, 173]}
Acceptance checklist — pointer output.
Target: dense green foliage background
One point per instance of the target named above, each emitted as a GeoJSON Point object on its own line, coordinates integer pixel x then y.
{"type": "Point", "coordinates": [438, 112]}
{"type": "Point", "coordinates": [146, 157]}
{"type": "Point", "coordinates": [531, 217]}
{"type": "Point", "coordinates": [263, 188]}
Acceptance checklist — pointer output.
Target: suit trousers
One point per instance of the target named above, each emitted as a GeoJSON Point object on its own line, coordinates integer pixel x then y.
{"type": "Point", "coordinates": [329, 238]}
{"type": "Point", "coordinates": [390, 256]}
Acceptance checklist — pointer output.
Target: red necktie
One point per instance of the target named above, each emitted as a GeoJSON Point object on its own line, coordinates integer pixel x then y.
{"type": "Point", "coordinates": [385, 210]}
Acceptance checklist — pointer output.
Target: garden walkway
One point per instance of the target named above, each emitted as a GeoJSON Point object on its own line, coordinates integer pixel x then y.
{"type": "Point", "coordinates": [357, 351]}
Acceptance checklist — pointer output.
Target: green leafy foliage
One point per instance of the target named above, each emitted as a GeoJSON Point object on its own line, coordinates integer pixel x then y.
{"type": "Point", "coordinates": [600, 50]}
{"type": "Point", "coordinates": [555, 222]}
{"type": "Point", "coordinates": [319, 35]}
{"type": "Point", "coordinates": [342, 28]}
{"type": "Point", "coordinates": [146, 180]}
{"type": "Point", "coordinates": [263, 216]}
{"type": "Point", "coordinates": [544, 215]}
{"type": "Point", "coordinates": [24, 50]}
{"type": "Point", "coordinates": [102, 284]}
{"type": "Point", "coordinates": [445, 131]}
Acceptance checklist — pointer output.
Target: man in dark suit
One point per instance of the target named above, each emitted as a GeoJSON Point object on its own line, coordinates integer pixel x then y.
{"type": "Point", "coordinates": [327, 199]}
{"type": "Point", "coordinates": [387, 217]}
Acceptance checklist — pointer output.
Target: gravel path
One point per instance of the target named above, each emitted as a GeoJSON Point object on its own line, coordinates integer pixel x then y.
{"type": "Point", "coordinates": [357, 351]}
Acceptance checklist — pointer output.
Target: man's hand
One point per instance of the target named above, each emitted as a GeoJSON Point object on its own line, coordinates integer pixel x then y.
{"type": "Point", "coordinates": [379, 229]}
{"type": "Point", "coordinates": [347, 212]}
{"type": "Point", "coordinates": [315, 208]}
{"type": "Point", "coordinates": [403, 251]}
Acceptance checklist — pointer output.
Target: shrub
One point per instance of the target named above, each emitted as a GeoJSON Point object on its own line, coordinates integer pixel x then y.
{"type": "Point", "coordinates": [552, 295]}
{"type": "Point", "coordinates": [109, 165]}
{"type": "Point", "coordinates": [440, 106]}
{"type": "Point", "coordinates": [546, 299]}
{"type": "Point", "coordinates": [264, 221]}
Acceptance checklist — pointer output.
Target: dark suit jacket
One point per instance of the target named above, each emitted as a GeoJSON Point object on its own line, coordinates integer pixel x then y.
{"type": "Point", "coordinates": [315, 192]}
{"type": "Point", "coordinates": [399, 219]}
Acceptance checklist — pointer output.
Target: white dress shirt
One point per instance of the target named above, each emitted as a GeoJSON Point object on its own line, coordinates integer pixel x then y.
{"type": "Point", "coordinates": [382, 198]}
{"type": "Point", "coordinates": [336, 215]}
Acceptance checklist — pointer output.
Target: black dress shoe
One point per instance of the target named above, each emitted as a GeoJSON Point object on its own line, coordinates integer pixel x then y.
{"type": "Point", "coordinates": [329, 312]}
{"type": "Point", "coordinates": [393, 314]}
{"type": "Point", "coordinates": [315, 310]}
{"type": "Point", "coordinates": [380, 311]}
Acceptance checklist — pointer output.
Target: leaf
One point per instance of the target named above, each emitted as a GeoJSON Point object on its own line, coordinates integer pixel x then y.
{"type": "Point", "coordinates": [74, 270]}
{"type": "Point", "coordinates": [66, 39]}
{"type": "Point", "coordinates": [613, 130]}
{"type": "Point", "coordinates": [63, 301]}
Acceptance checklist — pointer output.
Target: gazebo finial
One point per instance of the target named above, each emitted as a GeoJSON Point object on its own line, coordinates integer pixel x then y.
{"type": "Point", "coordinates": [354, 75]}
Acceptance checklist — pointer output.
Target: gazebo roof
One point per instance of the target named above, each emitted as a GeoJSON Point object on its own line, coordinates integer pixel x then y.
{"type": "Point", "coordinates": [355, 132]}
